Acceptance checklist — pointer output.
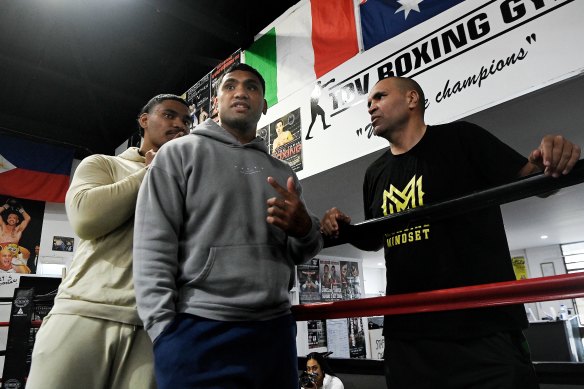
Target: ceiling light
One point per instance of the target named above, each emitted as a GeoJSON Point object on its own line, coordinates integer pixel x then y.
{"type": "Point", "coordinates": [543, 237]}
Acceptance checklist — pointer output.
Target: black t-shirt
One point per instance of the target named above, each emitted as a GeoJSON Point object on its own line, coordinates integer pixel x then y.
{"type": "Point", "coordinates": [450, 161]}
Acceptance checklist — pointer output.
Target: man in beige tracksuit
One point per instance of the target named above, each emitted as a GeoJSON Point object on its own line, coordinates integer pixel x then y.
{"type": "Point", "coordinates": [93, 337]}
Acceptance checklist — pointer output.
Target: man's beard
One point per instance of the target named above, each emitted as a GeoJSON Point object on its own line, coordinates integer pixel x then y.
{"type": "Point", "coordinates": [242, 125]}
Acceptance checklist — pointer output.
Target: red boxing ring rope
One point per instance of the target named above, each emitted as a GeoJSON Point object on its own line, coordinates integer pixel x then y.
{"type": "Point", "coordinates": [560, 287]}
{"type": "Point", "coordinates": [33, 324]}
{"type": "Point", "coordinates": [565, 286]}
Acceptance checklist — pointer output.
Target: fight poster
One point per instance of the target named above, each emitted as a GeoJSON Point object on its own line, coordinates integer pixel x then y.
{"type": "Point", "coordinates": [356, 338]}
{"type": "Point", "coordinates": [216, 75]}
{"type": "Point", "coordinates": [199, 97]}
{"type": "Point", "coordinates": [286, 140]}
{"type": "Point", "coordinates": [350, 280]}
{"type": "Point", "coordinates": [308, 282]}
{"type": "Point", "coordinates": [316, 334]}
{"type": "Point", "coordinates": [21, 222]}
{"type": "Point", "coordinates": [330, 280]}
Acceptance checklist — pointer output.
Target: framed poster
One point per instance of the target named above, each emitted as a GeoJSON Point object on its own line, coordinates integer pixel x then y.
{"type": "Point", "coordinates": [547, 269]}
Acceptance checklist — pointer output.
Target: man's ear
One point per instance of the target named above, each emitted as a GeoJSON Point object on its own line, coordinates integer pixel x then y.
{"type": "Point", "coordinates": [265, 107]}
{"type": "Point", "coordinates": [413, 98]}
{"type": "Point", "coordinates": [143, 120]}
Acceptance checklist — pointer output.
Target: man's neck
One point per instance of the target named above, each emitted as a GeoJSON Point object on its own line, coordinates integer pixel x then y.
{"type": "Point", "coordinates": [404, 140]}
{"type": "Point", "coordinates": [146, 146]}
{"type": "Point", "coordinates": [244, 135]}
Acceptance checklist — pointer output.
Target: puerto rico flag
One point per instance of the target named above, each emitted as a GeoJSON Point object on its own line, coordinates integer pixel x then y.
{"type": "Point", "coordinates": [34, 171]}
{"type": "Point", "coordinates": [383, 19]}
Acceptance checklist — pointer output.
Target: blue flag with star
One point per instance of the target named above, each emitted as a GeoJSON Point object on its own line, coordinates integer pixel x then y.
{"type": "Point", "coordinates": [384, 19]}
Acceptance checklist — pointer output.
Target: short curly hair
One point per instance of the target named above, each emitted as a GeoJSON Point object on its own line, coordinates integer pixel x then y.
{"type": "Point", "coordinates": [153, 102]}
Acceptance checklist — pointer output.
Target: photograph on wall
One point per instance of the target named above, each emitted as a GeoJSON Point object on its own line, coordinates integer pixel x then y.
{"type": "Point", "coordinates": [21, 222]}
{"type": "Point", "coordinates": [308, 282]}
{"type": "Point", "coordinates": [286, 139]}
{"type": "Point", "coordinates": [356, 338]}
{"type": "Point", "coordinates": [198, 98]}
{"type": "Point", "coordinates": [350, 280]}
{"type": "Point", "coordinates": [62, 243]}
{"type": "Point", "coordinates": [316, 334]}
{"type": "Point", "coordinates": [330, 280]}
{"type": "Point", "coordinates": [216, 74]}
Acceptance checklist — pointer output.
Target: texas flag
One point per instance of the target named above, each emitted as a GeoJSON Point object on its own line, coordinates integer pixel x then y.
{"type": "Point", "coordinates": [384, 19]}
{"type": "Point", "coordinates": [309, 40]}
{"type": "Point", "coordinates": [34, 171]}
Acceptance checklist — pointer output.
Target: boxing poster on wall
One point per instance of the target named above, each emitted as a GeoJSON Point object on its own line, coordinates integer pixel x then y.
{"type": "Point", "coordinates": [350, 280]}
{"type": "Point", "coordinates": [21, 223]}
{"type": "Point", "coordinates": [316, 334]}
{"type": "Point", "coordinates": [198, 97]}
{"type": "Point", "coordinates": [356, 338]}
{"type": "Point", "coordinates": [216, 74]}
{"type": "Point", "coordinates": [330, 280]}
{"type": "Point", "coordinates": [308, 284]}
{"type": "Point", "coordinates": [286, 140]}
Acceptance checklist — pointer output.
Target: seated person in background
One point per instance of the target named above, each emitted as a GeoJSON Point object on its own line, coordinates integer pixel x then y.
{"type": "Point", "coordinates": [319, 374]}
{"type": "Point", "coordinates": [6, 261]}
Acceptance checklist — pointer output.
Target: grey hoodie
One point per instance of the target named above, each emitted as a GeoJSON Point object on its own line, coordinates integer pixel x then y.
{"type": "Point", "coordinates": [201, 241]}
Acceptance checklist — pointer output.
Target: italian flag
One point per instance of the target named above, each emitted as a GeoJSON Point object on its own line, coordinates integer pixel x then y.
{"type": "Point", "coordinates": [308, 41]}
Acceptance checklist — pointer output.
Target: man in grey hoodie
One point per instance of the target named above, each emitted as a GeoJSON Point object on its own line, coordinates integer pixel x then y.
{"type": "Point", "coordinates": [215, 244]}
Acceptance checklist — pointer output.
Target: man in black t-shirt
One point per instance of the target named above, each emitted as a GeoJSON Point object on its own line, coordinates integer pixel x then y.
{"type": "Point", "coordinates": [429, 164]}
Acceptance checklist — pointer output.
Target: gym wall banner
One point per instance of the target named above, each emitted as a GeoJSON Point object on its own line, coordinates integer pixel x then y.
{"type": "Point", "coordinates": [470, 57]}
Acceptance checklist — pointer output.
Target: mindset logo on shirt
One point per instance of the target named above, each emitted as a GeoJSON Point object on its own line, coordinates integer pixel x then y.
{"type": "Point", "coordinates": [395, 200]}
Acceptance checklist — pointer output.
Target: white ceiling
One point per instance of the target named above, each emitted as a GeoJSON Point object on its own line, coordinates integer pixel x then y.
{"type": "Point", "coordinates": [521, 123]}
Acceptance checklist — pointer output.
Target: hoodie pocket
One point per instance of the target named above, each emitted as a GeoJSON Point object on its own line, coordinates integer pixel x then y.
{"type": "Point", "coordinates": [246, 276]}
